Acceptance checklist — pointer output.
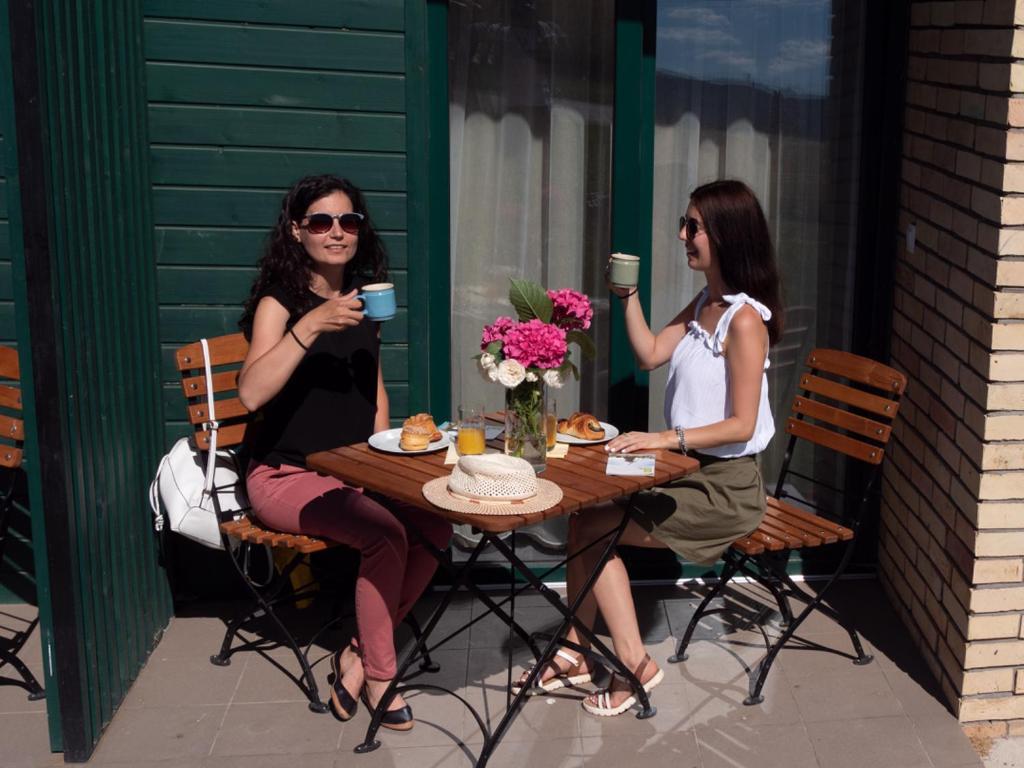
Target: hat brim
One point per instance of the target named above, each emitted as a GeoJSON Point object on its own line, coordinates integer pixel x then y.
{"type": "Point", "coordinates": [436, 492]}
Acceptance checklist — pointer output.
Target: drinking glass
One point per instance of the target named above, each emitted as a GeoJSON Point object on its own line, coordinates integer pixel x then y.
{"type": "Point", "coordinates": [470, 439]}
{"type": "Point", "coordinates": [551, 420]}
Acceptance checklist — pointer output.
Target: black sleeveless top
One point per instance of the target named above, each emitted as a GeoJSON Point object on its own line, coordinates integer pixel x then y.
{"type": "Point", "coordinates": [330, 399]}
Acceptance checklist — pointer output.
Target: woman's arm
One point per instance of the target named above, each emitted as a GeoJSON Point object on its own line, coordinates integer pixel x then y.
{"type": "Point", "coordinates": [746, 348]}
{"type": "Point", "coordinates": [653, 351]}
{"type": "Point", "coordinates": [382, 420]}
{"type": "Point", "coordinates": [274, 354]}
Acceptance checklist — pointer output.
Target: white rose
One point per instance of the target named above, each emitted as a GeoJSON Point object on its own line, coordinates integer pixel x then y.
{"type": "Point", "coordinates": [553, 378]}
{"type": "Point", "coordinates": [511, 373]}
{"type": "Point", "coordinates": [486, 360]}
{"type": "Point", "coordinates": [531, 376]}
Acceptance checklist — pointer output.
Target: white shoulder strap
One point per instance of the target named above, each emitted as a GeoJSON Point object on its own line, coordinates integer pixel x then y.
{"type": "Point", "coordinates": [736, 301]}
{"type": "Point", "coordinates": [211, 413]}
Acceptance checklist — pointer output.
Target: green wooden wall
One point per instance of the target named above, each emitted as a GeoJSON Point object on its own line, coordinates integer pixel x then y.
{"type": "Point", "coordinates": [244, 98]}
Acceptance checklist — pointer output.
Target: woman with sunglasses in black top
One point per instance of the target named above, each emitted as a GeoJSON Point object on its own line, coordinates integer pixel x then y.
{"type": "Point", "coordinates": [313, 371]}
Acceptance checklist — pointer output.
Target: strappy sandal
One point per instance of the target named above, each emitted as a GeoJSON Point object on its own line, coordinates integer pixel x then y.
{"type": "Point", "coordinates": [604, 707]}
{"type": "Point", "coordinates": [395, 719]}
{"type": "Point", "coordinates": [559, 680]}
{"type": "Point", "coordinates": [343, 705]}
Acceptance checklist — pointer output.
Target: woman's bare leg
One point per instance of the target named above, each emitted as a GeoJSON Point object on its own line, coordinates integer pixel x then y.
{"type": "Point", "coordinates": [611, 592]}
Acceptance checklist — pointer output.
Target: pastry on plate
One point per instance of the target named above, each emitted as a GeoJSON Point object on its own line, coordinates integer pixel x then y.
{"type": "Point", "coordinates": [418, 431]}
{"type": "Point", "coordinates": [414, 437]}
{"type": "Point", "coordinates": [424, 420]}
{"type": "Point", "coordinates": [582, 425]}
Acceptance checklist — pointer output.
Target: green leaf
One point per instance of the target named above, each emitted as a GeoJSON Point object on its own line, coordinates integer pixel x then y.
{"type": "Point", "coordinates": [585, 342]}
{"type": "Point", "coordinates": [530, 301]}
{"type": "Point", "coordinates": [569, 367]}
{"type": "Point", "coordinates": [494, 348]}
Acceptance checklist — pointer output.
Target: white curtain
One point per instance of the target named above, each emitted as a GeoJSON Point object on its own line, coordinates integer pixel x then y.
{"type": "Point", "coordinates": [530, 113]}
{"type": "Point", "coordinates": [763, 92]}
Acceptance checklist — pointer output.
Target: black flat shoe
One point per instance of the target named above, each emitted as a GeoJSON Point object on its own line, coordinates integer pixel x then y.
{"type": "Point", "coordinates": [395, 719]}
{"type": "Point", "coordinates": [343, 706]}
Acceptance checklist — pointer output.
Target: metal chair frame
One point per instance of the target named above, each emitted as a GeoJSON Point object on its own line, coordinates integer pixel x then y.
{"type": "Point", "coordinates": [768, 566]}
{"type": "Point", "coordinates": [10, 464]}
{"type": "Point", "coordinates": [265, 597]}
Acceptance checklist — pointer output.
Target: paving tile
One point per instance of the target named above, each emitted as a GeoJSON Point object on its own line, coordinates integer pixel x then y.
{"type": "Point", "coordinates": [914, 687]}
{"type": "Point", "coordinates": [453, 619]}
{"type": "Point", "coordinates": [272, 676]}
{"type": "Point", "coordinates": [183, 682]}
{"type": "Point", "coordinates": [25, 741]}
{"type": "Point", "coordinates": [160, 733]}
{"type": "Point", "coordinates": [283, 729]}
{"type": "Point", "coordinates": [756, 746]}
{"type": "Point", "coordinates": [552, 753]}
{"type": "Point", "coordinates": [672, 706]}
{"type": "Point", "coordinates": [860, 692]}
{"type": "Point", "coordinates": [944, 741]}
{"type": "Point", "coordinates": [193, 637]}
{"type": "Point", "coordinates": [315, 760]}
{"type": "Point", "coordinates": [678, 749]}
{"type": "Point", "coordinates": [398, 756]}
{"type": "Point", "coordinates": [881, 742]}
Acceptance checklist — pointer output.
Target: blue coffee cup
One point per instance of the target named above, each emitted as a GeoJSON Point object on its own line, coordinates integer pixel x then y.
{"type": "Point", "coordinates": [378, 301]}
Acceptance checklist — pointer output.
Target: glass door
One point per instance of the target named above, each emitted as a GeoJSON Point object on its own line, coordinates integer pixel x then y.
{"type": "Point", "coordinates": [530, 109]}
{"type": "Point", "coordinates": [768, 93]}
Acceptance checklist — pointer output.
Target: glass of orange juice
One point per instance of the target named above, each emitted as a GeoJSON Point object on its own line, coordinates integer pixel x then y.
{"type": "Point", "coordinates": [551, 420]}
{"type": "Point", "coordinates": [470, 439]}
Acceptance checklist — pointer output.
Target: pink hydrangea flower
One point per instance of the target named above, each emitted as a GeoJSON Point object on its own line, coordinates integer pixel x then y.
{"type": "Point", "coordinates": [572, 310]}
{"type": "Point", "coordinates": [536, 344]}
{"type": "Point", "coordinates": [496, 331]}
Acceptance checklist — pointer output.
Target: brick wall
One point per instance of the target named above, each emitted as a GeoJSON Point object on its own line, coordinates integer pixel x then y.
{"type": "Point", "coordinates": [952, 540]}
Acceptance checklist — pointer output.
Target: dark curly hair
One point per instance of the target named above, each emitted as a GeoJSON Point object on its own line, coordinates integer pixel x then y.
{"type": "Point", "coordinates": [739, 238]}
{"type": "Point", "coordinates": [285, 262]}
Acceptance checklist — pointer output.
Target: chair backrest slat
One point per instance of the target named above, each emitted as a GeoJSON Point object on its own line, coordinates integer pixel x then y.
{"type": "Point", "coordinates": [9, 368]}
{"type": "Point", "coordinates": [849, 396]}
{"type": "Point", "coordinates": [10, 397]}
{"type": "Point", "coordinates": [226, 354]}
{"type": "Point", "coordinates": [858, 449]}
{"type": "Point", "coordinates": [223, 381]}
{"type": "Point", "coordinates": [228, 408]}
{"type": "Point", "coordinates": [862, 425]}
{"type": "Point", "coordinates": [857, 368]}
{"type": "Point", "coordinates": [224, 350]}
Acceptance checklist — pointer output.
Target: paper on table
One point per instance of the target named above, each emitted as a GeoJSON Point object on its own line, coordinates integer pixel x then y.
{"type": "Point", "coordinates": [559, 451]}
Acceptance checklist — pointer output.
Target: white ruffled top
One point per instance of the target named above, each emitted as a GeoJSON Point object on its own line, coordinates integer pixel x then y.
{"type": "Point", "coordinates": [697, 392]}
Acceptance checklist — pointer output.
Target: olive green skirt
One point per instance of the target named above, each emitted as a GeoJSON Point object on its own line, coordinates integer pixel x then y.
{"type": "Point", "coordinates": [700, 515]}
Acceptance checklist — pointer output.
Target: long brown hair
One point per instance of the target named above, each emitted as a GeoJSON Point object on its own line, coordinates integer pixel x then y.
{"type": "Point", "coordinates": [738, 233]}
{"type": "Point", "coordinates": [285, 261]}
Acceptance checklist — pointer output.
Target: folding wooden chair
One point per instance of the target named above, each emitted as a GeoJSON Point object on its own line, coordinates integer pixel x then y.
{"type": "Point", "coordinates": [846, 404]}
{"type": "Point", "coordinates": [12, 436]}
{"type": "Point", "coordinates": [232, 420]}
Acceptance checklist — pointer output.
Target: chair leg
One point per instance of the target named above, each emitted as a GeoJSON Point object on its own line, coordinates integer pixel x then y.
{"type": "Point", "coordinates": [35, 691]}
{"type": "Point", "coordinates": [731, 566]}
{"type": "Point", "coordinates": [775, 580]}
{"type": "Point", "coordinates": [814, 603]}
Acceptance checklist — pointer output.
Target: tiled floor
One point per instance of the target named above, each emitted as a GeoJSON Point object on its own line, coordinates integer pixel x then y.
{"type": "Point", "coordinates": [820, 710]}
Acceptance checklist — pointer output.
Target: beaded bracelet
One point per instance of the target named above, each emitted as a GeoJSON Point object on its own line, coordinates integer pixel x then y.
{"type": "Point", "coordinates": [681, 437]}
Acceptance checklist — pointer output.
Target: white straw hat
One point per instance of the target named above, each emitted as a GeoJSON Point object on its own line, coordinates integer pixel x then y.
{"type": "Point", "coordinates": [492, 484]}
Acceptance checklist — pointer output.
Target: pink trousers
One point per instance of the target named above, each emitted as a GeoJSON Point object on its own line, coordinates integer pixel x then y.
{"type": "Point", "coordinates": [395, 566]}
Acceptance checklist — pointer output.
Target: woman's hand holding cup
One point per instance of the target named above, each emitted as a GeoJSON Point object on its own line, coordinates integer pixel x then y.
{"type": "Point", "coordinates": [337, 314]}
{"type": "Point", "coordinates": [622, 274]}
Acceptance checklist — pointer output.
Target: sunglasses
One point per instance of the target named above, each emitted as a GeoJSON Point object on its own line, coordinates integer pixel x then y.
{"type": "Point", "coordinates": [692, 227]}
{"type": "Point", "coordinates": [319, 223]}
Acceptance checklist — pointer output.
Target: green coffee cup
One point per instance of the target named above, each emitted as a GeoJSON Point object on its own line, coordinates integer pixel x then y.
{"type": "Point", "coordinates": [624, 271]}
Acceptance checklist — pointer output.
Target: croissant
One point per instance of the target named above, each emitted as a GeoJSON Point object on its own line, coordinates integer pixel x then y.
{"type": "Point", "coordinates": [582, 425]}
{"type": "Point", "coordinates": [424, 420]}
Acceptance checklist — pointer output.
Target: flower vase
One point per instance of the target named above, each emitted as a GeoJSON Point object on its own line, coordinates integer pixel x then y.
{"type": "Point", "coordinates": [525, 433]}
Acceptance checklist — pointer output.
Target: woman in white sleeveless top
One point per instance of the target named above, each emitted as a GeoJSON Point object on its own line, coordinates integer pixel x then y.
{"type": "Point", "coordinates": [716, 409]}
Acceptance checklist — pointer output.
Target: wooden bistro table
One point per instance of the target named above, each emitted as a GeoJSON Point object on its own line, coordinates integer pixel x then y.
{"type": "Point", "coordinates": [580, 475]}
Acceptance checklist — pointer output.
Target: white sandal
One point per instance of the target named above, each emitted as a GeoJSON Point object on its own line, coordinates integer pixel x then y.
{"type": "Point", "coordinates": [604, 707]}
{"type": "Point", "coordinates": [561, 679]}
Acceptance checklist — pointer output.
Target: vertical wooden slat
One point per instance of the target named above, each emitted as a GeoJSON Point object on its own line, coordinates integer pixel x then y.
{"type": "Point", "coordinates": [102, 320]}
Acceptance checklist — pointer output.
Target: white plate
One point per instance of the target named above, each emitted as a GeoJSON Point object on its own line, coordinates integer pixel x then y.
{"type": "Point", "coordinates": [388, 441]}
{"type": "Point", "coordinates": [609, 433]}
